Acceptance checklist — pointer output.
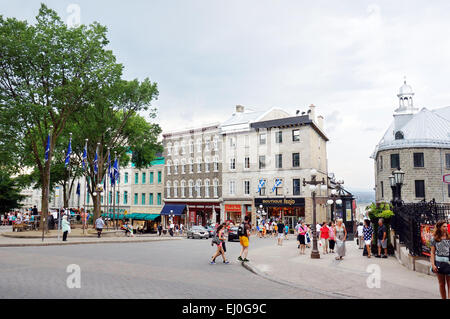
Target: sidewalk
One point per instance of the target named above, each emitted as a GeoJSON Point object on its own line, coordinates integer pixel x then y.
{"type": "Point", "coordinates": [346, 279]}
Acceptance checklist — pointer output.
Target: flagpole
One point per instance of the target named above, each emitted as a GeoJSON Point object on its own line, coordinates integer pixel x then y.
{"type": "Point", "coordinates": [85, 184]}
{"type": "Point", "coordinates": [118, 185]}
{"type": "Point", "coordinates": [107, 184]}
{"type": "Point", "coordinates": [114, 193]}
{"type": "Point", "coordinates": [69, 151]}
{"type": "Point", "coordinates": [43, 218]}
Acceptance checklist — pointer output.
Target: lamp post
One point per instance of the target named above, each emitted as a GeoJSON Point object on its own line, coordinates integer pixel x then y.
{"type": "Point", "coordinates": [314, 184]}
{"type": "Point", "coordinates": [396, 182]}
{"type": "Point", "coordinates": [335, 198]}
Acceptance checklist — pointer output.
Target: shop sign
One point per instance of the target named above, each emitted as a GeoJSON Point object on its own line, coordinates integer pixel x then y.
{"type": "Point", "coordinates": [233, 208]}
{"type": "Point", "coordinates": [280, 202]}
{"type": "Point", "coordinates": [426, 234]}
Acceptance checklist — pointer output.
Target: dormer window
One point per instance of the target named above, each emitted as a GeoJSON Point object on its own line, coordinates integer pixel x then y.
{"type": "Point", "coordinates": [399, 135]}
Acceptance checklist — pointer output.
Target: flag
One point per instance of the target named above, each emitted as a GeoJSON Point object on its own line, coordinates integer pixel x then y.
{"type": "Point", "coordinates": [84, 156]}
{"type": "Point", "coordinates": [115, 172]}
{"type": "Point", "coordinates": [69, 152]}
{"type": "Point", "coordinates": [96, 163]}
{"type": "Point", "coordinates": [261, 184]}
{"type": "Point", "coordinates": [47, 149]}
{"type": "Point", "coordinates": [78, 189]}
{"type": "Point", "coordinates": [277, 183]}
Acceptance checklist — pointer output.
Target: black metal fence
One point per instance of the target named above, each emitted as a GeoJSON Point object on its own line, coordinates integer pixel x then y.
{"type": "Point", "coordinates": [409, 218]}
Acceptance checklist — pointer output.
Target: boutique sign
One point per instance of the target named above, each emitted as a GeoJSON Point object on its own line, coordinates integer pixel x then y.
{"type": "Point", "coordinates": [280, 202]}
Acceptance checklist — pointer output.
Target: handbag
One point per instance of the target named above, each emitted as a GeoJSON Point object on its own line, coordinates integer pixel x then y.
{"type": "Point", "coordinates": [443, 267]}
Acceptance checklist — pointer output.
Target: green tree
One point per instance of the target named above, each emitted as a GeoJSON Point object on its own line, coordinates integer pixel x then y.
{"type": "Point", "coordinates": [10, 196]}
{"type": "Point", "coordinates": [48, 72]}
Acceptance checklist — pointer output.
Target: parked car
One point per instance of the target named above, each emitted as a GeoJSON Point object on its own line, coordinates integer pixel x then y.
{"type": "Point", "coordinates": [197, 232]}
{"type": "Point", "coordinates": [233, 234]}
{"type": "Point", "coordinates": [211, 230]}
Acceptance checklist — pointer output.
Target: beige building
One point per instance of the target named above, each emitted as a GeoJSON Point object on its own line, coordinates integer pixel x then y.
{"type": "Point", "coordinates": [418, 143]}
{"type": "Point", "coordinates": [266, 156]}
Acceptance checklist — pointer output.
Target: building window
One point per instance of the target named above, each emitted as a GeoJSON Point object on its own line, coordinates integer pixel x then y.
{"type": "Point", "coordinates": [198, 187]}
{"type": "Point", "coordinates": [183, 148]}
{"type": "Point", "coordinates": [168, 189]}
{"type": "Point", "coordinates": [380, 163]}
{"type": "Point", "coordinates": [169, 149]}
{"type": "Point", "coordinates": [279, 161]}
{"type": "Point", "coordinates": [125, 198]}
{"type": "Point", "coordinates": [262, 138]}
{"type": "Point", "coordinates": [232, 163]}
{"type": "Point", "coordinates": [199, 165]}
{"type": "Point", "coordinates": [247, 187]}
{"type": "Point", "coordinates": [420, 189]}
{"type": "Point", "coordinates": [126, 178]}
{"type": "Point", "coordinates": [206, 164]}
{"type": "Point", "coordinates": [232, 187]}
{"type": "Point", "coordinates": [216, 188]}
{"type": "Point", "coordinates": [447, 160]}
{"type": "Point", "coordinates": [158, 199]}
{"type": "Point", "coordinates": [207, 188]}
{"type": "Point", "coordinates": [150, 199]}
{"type": "Point", "coordinates": [175, 148]}
{"type": "Point", "coordinates": [199, 146]}
{"type": "Point", "coordinates": [295, 159]}
{"type": "Point", "coordinates": [144, 178]}
{"type": "Point", "coordinates": [159, 177]}
{"type": "Point", "coordinates": [191, 186]}
{"type": "Point", "coordinates": [418, 160]}
{"type": "Point", "coordinates": [232, 142]}
{"type": "Point", "coordinates": [382, 189]}
{"type": "Point", "coordinates": [296, 186]}
{"type": "Point", "coordinates": [216, 164]}
{"type": "Point", "coordinates": [183, 189]}
{"type": "Point", "coordinates": [135, 198]}
{"type": "Point", "coordinates": [168, 166]}
{"type": "Point", "coordinates": [175, 167]}
{"type": "Point", "coordinates": [262, 162]}
{"type": "Point", "coordinates": [191, 147]}
{"type": "Point", "coordinates": [247, 162]}
{"type": "Point", "coordinates": [183, 166]}
{"type": "Point", "coordinates": [399, 136]}
{"type": "Point", "coordinates": [395, 161]}
{"type": "Point", "coordinates": [207, 143]}
{"type": "Point", "coordinates": [151, 177]}
{"type": "Point", "coordinates": [279, 137]}
{"type": "Point", "coordinates": [143, 199]}
{"type": "Point", "coordinates": [175, 189]}
{"type": "Point", "coordinates": [136, 178]}
{"type": "Point", "coordinates": [216, 143]}
{"type": "Point", "coordinates": [296, 135]}
{"type": "Point", "coordinates": [279, 188]}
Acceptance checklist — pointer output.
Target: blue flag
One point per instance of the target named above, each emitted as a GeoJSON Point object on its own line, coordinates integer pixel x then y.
{"type": "Point", "coordinates": [47, 149]}
{"type": "Point", "coordinates": [69, 152]}
{"type": "Point", "coordinates": [277, 183]}
{"type": "Point", "coordinates": [261, 184]}
{"type": "Point", "coordinates": [115, 172]}
{"type": "Point", "coordinates": [78, 189]}
{"type": "Point", "coordinates": [96, 163]}
{"type": "Point", "coordinates": [84, 157]}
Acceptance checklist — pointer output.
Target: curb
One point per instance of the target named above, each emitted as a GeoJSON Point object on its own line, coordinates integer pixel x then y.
{"type": "Point", "coordinates": [84, 243]}
{"type": "Point", "coordinates": [290, 284]}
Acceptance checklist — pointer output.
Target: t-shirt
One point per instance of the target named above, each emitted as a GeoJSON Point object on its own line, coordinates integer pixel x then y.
{"type": "Point", "coordinates": [367, 232]}
{"type": "Point", "coordinates": [442, 247]}
{"type": "Point", "coordinates": [280, 228]}
{"type": "Point", "coordinates": [325, 232]}
{"type": "Point", "coordinates": [381, 230]}
{"type": "Point", "coordinates": [360, 230]}
{"type": "Point", "coordinates": [99, 223]}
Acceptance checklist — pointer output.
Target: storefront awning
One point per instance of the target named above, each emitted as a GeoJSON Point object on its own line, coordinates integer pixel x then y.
{"type": "Point", "coordinates": [175, 209]}
{"type": "Point", "coordinates": [137, 216]}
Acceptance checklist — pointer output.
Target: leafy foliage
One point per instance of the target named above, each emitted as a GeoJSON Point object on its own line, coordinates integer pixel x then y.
{"type": "Point", "coordinates": [10, 196]}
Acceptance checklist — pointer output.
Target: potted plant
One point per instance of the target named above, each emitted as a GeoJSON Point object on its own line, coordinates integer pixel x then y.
{"type": "Point", "coordinates": [377, 211]}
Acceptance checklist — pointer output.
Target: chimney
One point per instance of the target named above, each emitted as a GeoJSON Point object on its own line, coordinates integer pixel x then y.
{"type": "Point", "coordinates": [320, 122]}
{"type": "Point", "coordinates": [239, 109]}
{"type": "Point", "coordinates": [312, 112]}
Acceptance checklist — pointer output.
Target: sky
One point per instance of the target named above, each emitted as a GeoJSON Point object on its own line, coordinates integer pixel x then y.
{"type": "Point", "coordinates": [349, 58]}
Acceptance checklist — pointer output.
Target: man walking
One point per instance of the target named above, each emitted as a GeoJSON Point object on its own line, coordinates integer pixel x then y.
{"type": "Point", "coordinates": [244, 234]}
{"type": "Point", "coordinates": [280, 229]}
{"type": "Point", "coordinates": [99, 224]}
{"type": "Point", "coordinates": [382, 238]}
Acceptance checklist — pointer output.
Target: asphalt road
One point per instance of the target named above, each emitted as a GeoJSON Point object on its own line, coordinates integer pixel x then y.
{"type": "Point", "coordinates": [168, 269]}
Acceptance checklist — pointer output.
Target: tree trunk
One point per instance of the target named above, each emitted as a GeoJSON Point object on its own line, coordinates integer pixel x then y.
{"type": "Point", "coordinates": [45, 196]}
{"type": "Point", "coordinates": [97, 206]}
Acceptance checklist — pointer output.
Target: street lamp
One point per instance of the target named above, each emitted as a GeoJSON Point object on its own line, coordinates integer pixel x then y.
{"type": "Point", "coordinates": [313, 186]}
{"type": "Point", "coordinates": [396, 181]}
{"type": "Point", "coordinates": [335, 198]}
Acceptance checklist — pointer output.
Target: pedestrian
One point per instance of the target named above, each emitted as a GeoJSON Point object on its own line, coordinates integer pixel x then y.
{"type": "Point", "coordinates": [332, 238]}
{"type": "Point", "coordinates": [219, 240]}
{"type": "Point", "coordinates": [34, 211]}
{"type": "Point", "coordinates": [181, 228]}
{"type": "Point", "coordinates": [159, 229]}
{"type": "Point", "coordinates": [324, 235]}
{"type": "Point", "coordinates": [244, 234]}
{"type": "Point", "coordinates": [359, 229]}
{"type": "Point", "coordinates": [302, 230]}
{"type": "Point", "coordinates": [171, 227]}
{"type": "Point", "coordinates": [368, 237]}
{"type": "Point", "coordinates": [286, 231]}
{"type": "Point", "coordinates": [440, 262]}
{"type": "Point", "coordinates": [308, 236]}
{"type": "Point", "coordinates": [65, 226]}
{"type": "Point", "coordinates": [382, 238]}
{"type": "Point", "coordinates": [318, 227]}
{"type": "Point", "coordinates": [280, 229]}
{"type": "Point", "coordinates": [341, 236]}
{"type": "Point", "coordinates": [99, 224]}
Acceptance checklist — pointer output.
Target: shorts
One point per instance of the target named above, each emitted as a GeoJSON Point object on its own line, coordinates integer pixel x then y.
{"type": "Point", "coordinates": [244, 241]}
{"type": "Point", "coordinates": [382, 243]}
{"type": "Point", "coordinates": [280, 235]}
{"type": "Point", "coordinates": [301, 239]}
{"type": "Point", "coordinates": [367, 242]}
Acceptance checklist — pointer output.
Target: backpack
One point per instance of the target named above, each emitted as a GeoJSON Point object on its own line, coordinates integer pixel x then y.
{"type": "Point", "coordinates": [241, 230]}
